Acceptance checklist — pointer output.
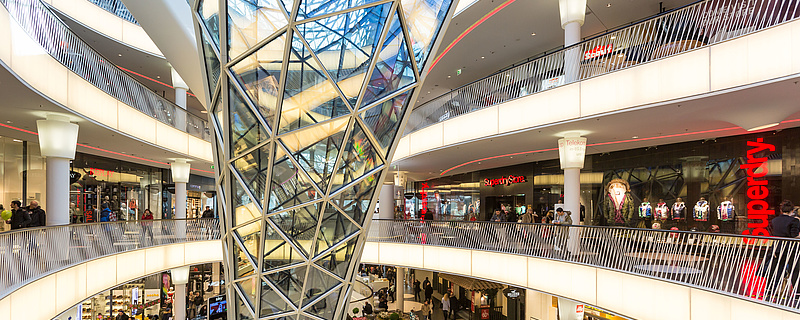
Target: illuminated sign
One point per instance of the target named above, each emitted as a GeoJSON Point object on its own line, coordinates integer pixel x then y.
{"type": "Point", "coordinates": [552, 82]}
{"type": "Point", "coordinates": [757, 191]}
{"type": "Point", "coordinates": [598, 51]}
{"type": "Point", "coordinates": [507, 181]}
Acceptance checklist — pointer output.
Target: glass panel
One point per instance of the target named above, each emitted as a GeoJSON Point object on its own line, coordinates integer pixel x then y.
{"type": "Point", "coordinates": [209, 10]}
{"type": "Point", "coordinates": [250, 21]}
{"type": "Point", "coordinates": [354, 201]}
{"type": "Point", "coordinates": [335, 227]}
{"type": "Point", "coordinates": [277, 253]}
{"type": "Point", "coordinates": [318, 283]}
{"type": "Point", "coordinates": [290, 282]}
{"type": "Point", "coordinates": [327, 306]}
{"type": "Point", "coordinates": [244, 208]}
{"type": "Point", "coordinates": [212, 64]}
{"type": "Point", "coordinates": [244, 267]}
{"type": "Point", "coordinates": [423, 20]}
{"type": "Point", "coordinates": [250, 235]}
{"type": "Point", "coordinates": [300, 225]}
{"type": "Point", "coordinates": [271, 302]}
{"type": "Point", "coordinates": [309, 97]}
{"type": "Point", "coordinates": [393, 70]}
{"type": "Point", "coordinates": [241, 311]}
{"type": "Point", "coordinates": [218, 115]}
{"type": "Point", "coordinates": [345, 43]}
{"type": "Point", "coordinates": [289, 188]}
{"type": "Point", "coordinates": [359, 158]}
{"type": "Point", "coordinates": [313, 8]}
{"type": "Point", "coordinates": [316, 149]}
{"type": "Point", "coordinates": [260, 74]}
{"type": "Point", "coordinates": [246, 132]}
{"type": "Point", "coordinates": [383, 119]}
{"type": "Point", "coordinates": [249, 287]}
{"type": "Point", "coordinates": [252, 167]}
{"type": "Point", "coordinates": [338, 261]}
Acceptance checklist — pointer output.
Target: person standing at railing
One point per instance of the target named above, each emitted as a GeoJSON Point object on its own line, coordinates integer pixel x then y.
{"type": "Point", "coordinates": [147, 227]}
{"type": "Point", "coordinates": [38, 216]}
{"type": "Point", "coordinates": [562, 219]}
{"type": "Point", "coordinates": [783, 257]}
{"type": "Point", "coordinates": [19, 218]}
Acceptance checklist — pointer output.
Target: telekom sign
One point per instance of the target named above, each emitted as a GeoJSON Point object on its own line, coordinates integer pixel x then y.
{"type": "Point", "coordinates": [757, 191]}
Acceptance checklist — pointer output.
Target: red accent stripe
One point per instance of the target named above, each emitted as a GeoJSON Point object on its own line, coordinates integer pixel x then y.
{"type": "Point", "coordinates": [472, 27]}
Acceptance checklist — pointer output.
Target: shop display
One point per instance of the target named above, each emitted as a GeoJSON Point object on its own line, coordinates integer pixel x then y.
{"type": "Point", "coordinates": [618, 206]}
{"type": "Point", "coordinates": [645, 210]}
{"type": "Point", "coordinates": [701, 209]}
{"type": "Point", "coordinates": [679, 210]}
{"type": "Point", "coordinates": [662, 210]}
{"type": "Point", "coordinates": [726, 210]}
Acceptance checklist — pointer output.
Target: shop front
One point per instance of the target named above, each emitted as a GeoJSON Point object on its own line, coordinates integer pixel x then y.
{"type": "Point", "coordinates": [731, 184]}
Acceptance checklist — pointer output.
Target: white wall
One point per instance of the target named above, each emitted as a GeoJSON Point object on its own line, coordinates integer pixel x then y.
{"type": "Point", "coordinates": [618, 292]}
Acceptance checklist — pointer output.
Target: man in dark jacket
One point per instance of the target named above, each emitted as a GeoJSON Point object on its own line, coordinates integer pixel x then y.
{"type": "Point", "coordinates": [19, 218]}
{"type": "Point", "coordinates": [786, 226]}
{"type": "Point", "coordinates": [208, 213]}
{"type": "Point", "coordinates": [38, 217]}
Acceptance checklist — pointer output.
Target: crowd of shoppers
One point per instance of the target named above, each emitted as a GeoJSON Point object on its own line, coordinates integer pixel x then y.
{"type": "Point", "coordinates": [31, 216]}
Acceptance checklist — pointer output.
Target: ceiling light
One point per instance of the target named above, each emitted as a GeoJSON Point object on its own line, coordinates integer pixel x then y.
{"type": "Point", "coordinates": [635, 137]}
{"type": "Point", "coordinates": [533, 33]}
{"type": "Point", "coordinates": [119, 54]}
{"type": "Point", "coordinates": [203, 111]}
{"type": "Point", "coordinates": [17, 140]}
{"type": "Point", "coordinates": [8, 121]}
{"type": "Point", "coordinates": [448, 77]}
{"type": "Point", "coordinates": [608, 5]}
{"type": "Point", "coordinates": [158, 77]}
{"type": "Point", "coordinates": [483, 57]}
{"type": "Point", "coordinates": [764, 126]}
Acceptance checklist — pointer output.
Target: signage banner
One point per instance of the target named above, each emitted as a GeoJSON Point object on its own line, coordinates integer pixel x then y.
{"type": "Point", "coordinates": [756, 169]}
{"type": "Point", "coordinates": [506, 181]}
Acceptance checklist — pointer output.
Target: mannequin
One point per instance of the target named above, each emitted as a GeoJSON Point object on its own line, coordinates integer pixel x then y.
{"type": "Point", "coordinates": [662, 210]}
{"type": "Point", "coordinates": [726, 211]}
{"type": "Point", "coordinates": [645, 210]}
{"type": "Point", "coordinates": [701, 209]}
{"type": "Point", "coordinates": [618, 208]}
{"type": "Point", "coordinates": [678, 210]}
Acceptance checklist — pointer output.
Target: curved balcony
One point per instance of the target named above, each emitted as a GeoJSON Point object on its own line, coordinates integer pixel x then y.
{"type": "Point", "coordinates": [699, 275]}
{"type": "Point", "coordinates": [41, 50]}
{"type": "Point", "coordinates": [48, 270]}
{"type": "Point", "coordinates": [682, 30]}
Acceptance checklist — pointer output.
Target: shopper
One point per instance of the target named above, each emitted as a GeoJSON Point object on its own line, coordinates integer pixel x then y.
{"type": "Point", "coordinates": [428, 291]}
{"type": "Point", "coordinates": [562, 218]}
{"type": "Point", "coordinates": [527, 217]}
{"type": "Point", "coordinates": [208, 213]}
{"type": "Point", "coordinates": [498, 216]}
{"type": "Point", "coordinates": [105, 214]}
{"type": "Point", "coordinates": [367, 310]}
{"type": "Point", "coordinates": [417, 290]}
{"type": "Point", "coordinates": [19, 217]}
{"type": "Point", "coordinates": [122, 316]}
{"type": "Point", "coordinates": [38, 216]}
{"type": "Point", "coordinates": [782, 260]}
{"type": "Point", "coordinates": [426, 310]}
{"type": "Point", "coordinates": [446, 306]}
{"type": "Point", "coordinates": [198, 302]}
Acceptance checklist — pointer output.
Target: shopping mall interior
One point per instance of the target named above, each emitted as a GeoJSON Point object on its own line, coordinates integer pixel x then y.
{"type": "Point", "coordinates": [399, 159]}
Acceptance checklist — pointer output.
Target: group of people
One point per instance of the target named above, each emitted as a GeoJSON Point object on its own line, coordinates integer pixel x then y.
{"type": "Point", "coordinates": [449, 303]}
{"type": "Point", "coordinates": [505, 215]}
{"type": "Point", "coordinates": [31, 216]}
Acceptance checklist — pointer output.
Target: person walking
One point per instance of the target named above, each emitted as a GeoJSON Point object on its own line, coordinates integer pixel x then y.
{"type": "Point", "coordinates": [426, 310]}
{"type": "Point", "coordinates": [428, 290]}
{"type": "Point", "coordinates": [446, 306]}
{"type": "Point", "coordinates": [19, 217]}
{"type": "Point", "coordinates": [417, 290]}
{"type": "Point", "coordinates": [38, 216]}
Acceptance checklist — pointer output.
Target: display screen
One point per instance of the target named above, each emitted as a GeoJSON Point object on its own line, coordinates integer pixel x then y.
{"type": "Point", "coordinates": [217, 307]}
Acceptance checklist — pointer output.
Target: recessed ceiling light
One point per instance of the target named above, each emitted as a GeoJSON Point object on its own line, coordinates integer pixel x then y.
{"type": "Point", "coordinates": [158, 77]}
{"type": "Point", "coordinates": [119, 54]}
{"type": "Point", "coordinates": [8, 121]}
{"type": "Point", "coordinates": [635, 137]}
{"type": "Point", "coordinates": [448, 77]}
{"type": "Point", "coordinates": [608, 5]}
{"type": "Point", "coordinates": [533, 33]}
{"type": "Point", "coordinates": [483, 57]}
{"type": "Point", "coordinates": [17, 140]}
{"type": "Point", "coordinates": [429, 92]}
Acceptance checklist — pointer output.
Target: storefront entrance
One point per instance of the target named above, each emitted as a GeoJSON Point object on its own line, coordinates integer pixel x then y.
{"type": "Point", "coordinates": [515, 202]}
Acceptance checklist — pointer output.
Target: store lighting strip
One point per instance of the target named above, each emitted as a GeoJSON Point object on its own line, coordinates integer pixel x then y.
{"type": "Point", "coordinates": [605, 143]}
{"type": "Point", "coordinates": [472, 27]}
{"type": "Point", "coordinates": [103, 150]}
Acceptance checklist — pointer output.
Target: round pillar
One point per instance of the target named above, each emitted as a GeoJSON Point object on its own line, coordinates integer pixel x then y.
{"type": "Point", "coordinates": [57, 140]}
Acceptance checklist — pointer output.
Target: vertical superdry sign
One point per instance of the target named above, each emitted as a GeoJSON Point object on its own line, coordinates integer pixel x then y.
{"type": "Point", "coordinates": [756, 168]}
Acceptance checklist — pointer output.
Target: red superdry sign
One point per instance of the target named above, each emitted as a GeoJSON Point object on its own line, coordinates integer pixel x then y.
{"type": "Point", "coordinates": [511, 179]}
{"type": "Point", "coordinates": [756, 170]}
{"type": "Point", "coordinates": [598, 51]}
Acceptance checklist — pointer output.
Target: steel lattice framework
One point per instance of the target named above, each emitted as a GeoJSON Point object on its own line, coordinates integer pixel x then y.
{"type": "Point", "coordinates": [308, 97]}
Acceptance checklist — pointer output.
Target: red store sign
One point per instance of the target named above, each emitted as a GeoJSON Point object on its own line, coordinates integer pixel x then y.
{"type": "Point", "coordinates": [598, 51]}
{"type": "Point", "coordinates": [757, 191]}
{"type": "Point", "coordinates": [507, 181]}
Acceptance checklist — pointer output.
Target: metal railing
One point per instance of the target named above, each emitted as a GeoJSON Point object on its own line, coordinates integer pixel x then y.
{"type": "Point", "coordinates": [44, 27]}
{"type": "Point", "coordinates": [694, 26]}
{"type": "Point", "coordinates": [760, 269]}
{"type": "Point", "coordinates": [31, 254]}
{"type": "Point", "coordinates": [117, 8]}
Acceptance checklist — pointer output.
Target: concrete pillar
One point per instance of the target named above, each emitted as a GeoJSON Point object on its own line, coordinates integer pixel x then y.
{"type": "Point", "coordinates": [180, 200]}
{"type": "Point", "coordinates": [386, 204]}
{"type": "Point", "coordinates": [571, 153]}
{"type": "Point", "coordinates": [572, 57]}
{"type": "Point", "coordinates": [57, 205]}
{"type": "Point", "coordinates": [400, 288]}
{"type": "Point", "coordinates": [180, 99]}
{"type": "Point", "coordinates": [215, 276]}
{"type": "Point", "coordinates": [179, 306]}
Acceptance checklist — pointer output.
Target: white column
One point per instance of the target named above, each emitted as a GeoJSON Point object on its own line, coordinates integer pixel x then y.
{"type": "Point", "coordinates": [386, 204]}
{"type": "Point", "coordinates": [57, 139]}
{"type": "Point", "coordinates": [179, 307]}
{"type": "Point", "coordinates": [180, 200]}
{"type": "Point", "coordinates": [215, 273]}
{"type": "Point", "coordinates": [573, 13]}
{"type": "Point", "coordinates": [180, 176]}
{"type": "Point", "coordinates": [400, 287]}
{"type": "Point", "coordinates": [180, 99]}
{"type": "Point", "coordinates": [571, 152]}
